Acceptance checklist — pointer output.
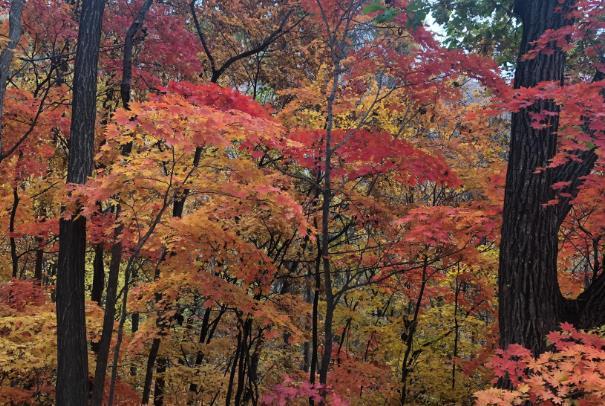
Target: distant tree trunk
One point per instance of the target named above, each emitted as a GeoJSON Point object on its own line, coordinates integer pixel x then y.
{"type": "Point", "coordinates": [11, 229]}
{"type": "Point", "coordinates": [108, 322]}
{"type": "Point", "coordinates": [531, 303]}
{"type": "Point", "coordinates": [6, 57]}
{"type": "Point", "coordinates": [408, 336]}
{"type": "Point", "coordinates": [72, 357]}
{"type": "Point", "coordinates": [325, 223]}
{"type": "Point", "coordinates": [38, 267]}
{"type": "Point", "coordinates": [126, 83]}
{"type": "Point", "coordinates": [98, 275]}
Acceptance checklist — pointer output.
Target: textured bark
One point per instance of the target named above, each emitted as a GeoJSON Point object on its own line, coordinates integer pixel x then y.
{"type": "Point", "coordinates": [6, 57]}
{"type": "Point", "coordinates": [72, 357]}
{"type": "Point", "coordinates": [531, 303]}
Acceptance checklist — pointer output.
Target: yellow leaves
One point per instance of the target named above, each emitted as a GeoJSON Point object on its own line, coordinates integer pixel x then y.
{"type": "Point", "coordinates": [497, 397]}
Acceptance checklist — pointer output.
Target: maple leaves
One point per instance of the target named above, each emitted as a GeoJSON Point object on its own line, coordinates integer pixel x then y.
{"type": "Point", "coordinates": [289, 391]}
{"type": "Point", "coordinates": [574, 370]}
{"type": "Point", "coordinates": [234, 283]}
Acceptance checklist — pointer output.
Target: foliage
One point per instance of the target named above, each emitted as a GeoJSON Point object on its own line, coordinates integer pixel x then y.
{"type": "Point", "coordinates": [244, 248]}
{"type": "Point", "coordinates": [572, 372]}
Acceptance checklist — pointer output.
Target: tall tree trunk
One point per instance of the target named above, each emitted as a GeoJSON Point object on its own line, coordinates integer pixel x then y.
{"type": "Point", "coordinates": [11, 230]}
{"type": "Point", "coordinates": [108, 321]}
{"type": "Point", "coordinates": [72, 357]}
{"type": "Point", "coordinates": [325, 225]}
{"type": "Point", "coordinates": [530, 299]}
{"type": "Point", "coordinates": [408, 336]}
{"type": "Point", "coordinates": [6, 57]}
{"type": "Point", "coordinates": [126, 83]}
{"type": "Point", "coordinates": [233, 368]}
{"type": "Point", "coordinates": [531, 303]}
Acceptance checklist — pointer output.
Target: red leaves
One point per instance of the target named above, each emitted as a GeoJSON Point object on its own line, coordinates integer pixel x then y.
{"type": "Point", "coordinates": [289, 391]}
{"type": "Point", "coordinates": [362, 153]}
{"type": "Point", "coordinates": [17, 294]}
{"type": "Point", "coordinates": [576, 370]}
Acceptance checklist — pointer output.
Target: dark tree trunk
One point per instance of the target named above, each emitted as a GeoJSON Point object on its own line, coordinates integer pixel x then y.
{"type": "Point", "coordinates": [244, 356]}
{"type": "Point", "coordinates": [233, 368]}
{"type": "Point", "coordinates": [72, 362]}
{"type": "Point", "coordinates": [108, 322]}
{"type": "Point", "coordinates": [38, 268]}
{"type": "Point", "coordinates": [11, 229]}
{"type": "Point", "coordinates": [160, 384]}
{"type": "Point", "coordinates": [129, 43]}
{"type": "Point", "coordinates": [531, 303]}
{"type": "Point", "coordinates": [98, 275]}
{"type": "Point", "coordinates": [153, 354]}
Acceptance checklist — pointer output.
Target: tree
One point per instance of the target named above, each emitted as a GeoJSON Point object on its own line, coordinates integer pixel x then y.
{"type": "Point", "coordinates": [531, 303]}
{"type": "Point", "coordinates": [72, 353]}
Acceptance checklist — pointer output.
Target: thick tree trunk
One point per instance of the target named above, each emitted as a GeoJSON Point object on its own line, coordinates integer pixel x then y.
{"type": "Point", "coordinates": [531, 303]}
{"type": "Point", "coordinates": [530, 299]}
{"type": "Point", "coordinates": [72, 357]}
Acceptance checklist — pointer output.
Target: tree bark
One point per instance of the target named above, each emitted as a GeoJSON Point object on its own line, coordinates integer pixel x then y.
{"type": "Point", "coordinates": [531, 303]}
{"type": "Point", "coordinates": [72, 357]}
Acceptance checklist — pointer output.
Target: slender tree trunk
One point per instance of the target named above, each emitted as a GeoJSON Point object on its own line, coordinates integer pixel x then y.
{"type": "Point", "coordinates": [72, 356]}
{"type": "Point", "coordinates": [126, 83]}
{"type": "Point", "coordinates": [6, 56]}
{"type": "Point", "coordinates": [108, 322]}
{"type": "Point", "coordinates": [243, 361]}
{"type": "Point", "coordinates": [98, 275]}
{"type": "Point", "coordinates": [153, 353]}
{"type": "Point", "coordinates": [11, 230]}
{"type": "Point", "coordinates": [315, 320]}
{"type": "Point", "coordinates": [458, 288]}
{"type": "Point", "coordinates": [325, 226]}
{"type": "Point", "coordinates": [39, 266]}
{"type": "Point", "coordinates": [409, 337]}
{"type": "Point", "coordinates": [233, 368]}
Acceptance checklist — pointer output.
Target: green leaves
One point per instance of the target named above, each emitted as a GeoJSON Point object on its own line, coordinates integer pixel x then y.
{"type": "Point", "coordinates": [387, 13]}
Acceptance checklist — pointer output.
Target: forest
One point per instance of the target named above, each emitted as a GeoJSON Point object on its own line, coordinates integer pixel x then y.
{"type": "Point", "coordinates": [302, 202]}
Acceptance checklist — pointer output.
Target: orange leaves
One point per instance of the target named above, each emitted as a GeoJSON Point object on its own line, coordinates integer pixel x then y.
{"type": "Point", "coordinates": [18, 294]}
{"type": "Point", "coordinates": [574, 371]}
{"type": "Point", "coordinates": [443, 226]}
{"type": "Point", "coordinates": [188, 116]}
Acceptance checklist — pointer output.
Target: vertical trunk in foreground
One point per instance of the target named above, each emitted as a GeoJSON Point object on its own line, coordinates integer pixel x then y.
{"type": "Point", "coordinates": [529, 292]}
{"type": "Point", "coordinates": [72, 357]}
